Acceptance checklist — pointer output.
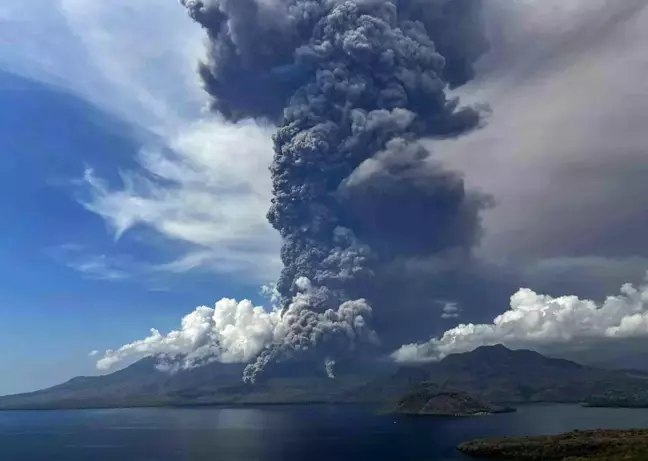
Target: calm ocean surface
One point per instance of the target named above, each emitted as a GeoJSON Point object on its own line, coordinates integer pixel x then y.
{"type": "Point", "coordinates": [286, 433]}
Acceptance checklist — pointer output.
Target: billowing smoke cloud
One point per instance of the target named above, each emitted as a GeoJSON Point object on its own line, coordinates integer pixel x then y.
{"type": "Point", "coordinates": [536, 321]}
{"type": "Point", "coordinates": [252, 68]}
{"type": "Point", "coordinates": [231, 332]}
{"type": "Point", "coordinates": [371, 218]}
{"type": "Point", "coordinates": [329, 364]}
{"type": "Point", "coordinates": [237, 332]}
{"type": "Point", "coordinates": [353, 86]}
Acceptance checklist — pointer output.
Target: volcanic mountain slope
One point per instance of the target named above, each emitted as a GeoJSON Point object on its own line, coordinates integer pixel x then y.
{"type": "Point", "coordinates": [142, 384]}
{"type": "Point", "coordinates": [491, 374]}
{"type": "Point", "coordinates": [498, 374]}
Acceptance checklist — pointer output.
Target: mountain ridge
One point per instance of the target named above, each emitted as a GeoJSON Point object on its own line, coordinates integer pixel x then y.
{"type": "Point", "coordinates": [489, 373]}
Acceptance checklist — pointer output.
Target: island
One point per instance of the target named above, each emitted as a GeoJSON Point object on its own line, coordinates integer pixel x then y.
{"type": "Point", "coordinates": [429, 400]}
{"type": "Point", "coordinates": [599, 445]}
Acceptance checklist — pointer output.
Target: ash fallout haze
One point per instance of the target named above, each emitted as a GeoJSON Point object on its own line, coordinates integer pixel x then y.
{"type": "Point", "coordinates": [405, 179]}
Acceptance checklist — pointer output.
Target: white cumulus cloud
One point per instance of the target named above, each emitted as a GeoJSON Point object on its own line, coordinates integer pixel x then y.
{"type": "Point", "coordinates": [231, 332]}
{"type": "Point", "coordinates": [536, 320]}
{"type": "Point", "coordinates": [238, 332]}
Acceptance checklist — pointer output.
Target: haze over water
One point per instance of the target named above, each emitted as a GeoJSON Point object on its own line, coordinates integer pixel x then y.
{"type": "Point", "coordinates": [286, 433]}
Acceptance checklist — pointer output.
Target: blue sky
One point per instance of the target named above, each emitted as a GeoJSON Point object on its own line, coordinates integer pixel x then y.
{"type": "Point", "coordinates": [110, 183]}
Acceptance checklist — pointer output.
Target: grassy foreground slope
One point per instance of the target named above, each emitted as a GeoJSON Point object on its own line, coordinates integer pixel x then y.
{"type": "Point", "coordinates": [627, 445]}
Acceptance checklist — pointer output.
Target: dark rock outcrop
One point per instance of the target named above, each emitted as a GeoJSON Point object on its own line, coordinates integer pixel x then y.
{"type": "Point", "coordinates": [429, 400]}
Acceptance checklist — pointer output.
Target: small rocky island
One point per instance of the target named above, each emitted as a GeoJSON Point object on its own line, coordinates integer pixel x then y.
{"type": "Point", "coordinates": [601, 445]}
{"type": "Point", "coordinates": [429, 400]}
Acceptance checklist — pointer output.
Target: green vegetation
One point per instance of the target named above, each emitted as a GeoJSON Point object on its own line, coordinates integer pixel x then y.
{"type": "Point", "coordinates": [601, 445]}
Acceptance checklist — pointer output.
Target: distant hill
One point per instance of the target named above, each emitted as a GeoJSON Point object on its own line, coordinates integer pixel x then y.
{"type": "Point", "coordinates": [492, 374]}
{"type": "Point", "coordinates": [620, 356]}
{"type": "Point", "coordinates": [142, 384]}
{"type": "Point", "coordinates": [498, 374]}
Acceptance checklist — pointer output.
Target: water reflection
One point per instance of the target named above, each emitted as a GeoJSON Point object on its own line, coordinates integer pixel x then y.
{"type": "Point", "coordinates": [316, 433]}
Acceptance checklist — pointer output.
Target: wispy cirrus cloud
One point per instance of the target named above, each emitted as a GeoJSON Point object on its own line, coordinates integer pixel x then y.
{"type": "Point", "coordinates": [94, 266]}
{"type": "Point", "coordinates": [200, 184]}
{"type": "Point", "coordinates": [208, 189]}
{"type": "Point", "coordinates": [450, 311]}
{"type": "Point", "coordinates": [98, 267]}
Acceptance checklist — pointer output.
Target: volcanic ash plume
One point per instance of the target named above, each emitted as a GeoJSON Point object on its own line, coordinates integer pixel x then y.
{"type": "Point", "coordinates": [353, 86]}
{"type": "Point", "coordinates": [329, 364]}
